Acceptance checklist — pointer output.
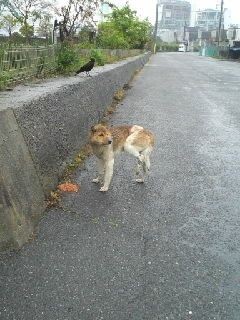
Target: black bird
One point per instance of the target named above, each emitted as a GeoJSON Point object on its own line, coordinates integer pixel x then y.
{"type": "Point", "coordinates": [87, 67]}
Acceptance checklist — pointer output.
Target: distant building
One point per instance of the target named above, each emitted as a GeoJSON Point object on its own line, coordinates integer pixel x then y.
{"type": "Point", "coordinates": [208, 19]}
{"type": "Point", "coordinates": [233, 33]}
{"type": "Point", "coordinates": [173, 17]}
{"type": "Point", "coordinates": [3, 33]}
{"type": "Point", "coordinates": [215, 35]}
{"type": "Point", "coordinates": [191, 34]}
{"type": "Point", "coordinates": [105, 11]}
{"type": "Point", "coordinates": [173, 14]}
{"type": "Point", "coordinates": [167, 35]}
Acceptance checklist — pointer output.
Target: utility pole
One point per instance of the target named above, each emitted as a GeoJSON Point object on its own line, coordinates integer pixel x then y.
{"type": "Point", "coordinates": [220, 22]}
{"type": "Point", "coordinates": [155, 30]}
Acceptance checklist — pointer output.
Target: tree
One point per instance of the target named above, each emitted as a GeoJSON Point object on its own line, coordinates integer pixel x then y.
{"type": "Point", "coordinates": [8, 23]}
{"type": "Point", "coordinates": [27, 30]}
{"type": "Point", "coordinates": [45, 26]}
{"type": "Point", "coordinates": [125, 29]}
{"type": "Point", "coordinates": [110, 37]}
{"type": "Point", "coordinates": [2, 6]}
{"type": "Point", "coordinates": [75, 14]}
{"type": "Point", "coordinates": [87, 35]}
{"type": "Point", "coordinates": [26, 12]}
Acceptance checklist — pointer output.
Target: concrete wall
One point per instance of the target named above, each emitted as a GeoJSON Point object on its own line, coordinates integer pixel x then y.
{"type": "Point", "coordinates": [120, 53]}
{"type": "Point", "coordinates": [42, 127]}
{"type": "Point", "coordinates": [21, 194]}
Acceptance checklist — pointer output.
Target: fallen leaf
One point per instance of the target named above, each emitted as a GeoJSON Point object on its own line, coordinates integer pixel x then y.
{"type": "Point", "coordinates": [68, 187]}
{"type": "Point", "coordinates": [53, 199]}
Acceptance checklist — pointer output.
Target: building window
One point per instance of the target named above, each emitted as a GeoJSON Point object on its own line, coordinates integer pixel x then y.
{"type": "Point", "coordinates": [168, 14]}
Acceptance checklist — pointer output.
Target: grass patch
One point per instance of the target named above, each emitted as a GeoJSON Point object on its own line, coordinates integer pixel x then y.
{"type": "Point", "coordinates": [77, 162]}
{"type": "Point", "coordinates": [118, 97]}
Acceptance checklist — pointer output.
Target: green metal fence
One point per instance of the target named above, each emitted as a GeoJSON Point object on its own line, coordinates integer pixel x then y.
{"type": "Point", "coordinates": [214, 51]}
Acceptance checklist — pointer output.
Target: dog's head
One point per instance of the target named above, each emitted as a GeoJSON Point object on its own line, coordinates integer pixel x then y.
{"type": "Point", "coordinates": [100, 135]}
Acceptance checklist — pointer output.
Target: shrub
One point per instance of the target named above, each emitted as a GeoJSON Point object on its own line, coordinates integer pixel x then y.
{"type": "Point", "coordinates": [110, 38]}
{"type": "Point", "coordinates": [124, 30]}
{"type": "Point", "coordinates": [223, 52]}
{"type": "Point", "coordinates": [196, 49]}
{"type": "Point", "coordinates": [86, 45]}
{"type": "Point", "coordinates": [66, 57]}
{"type": "Point", "coordinates": [4, 79]}
{"type": "Point", "coordinates": [98, 56]}
{"type": "Point", "coordinates": [169, 47]}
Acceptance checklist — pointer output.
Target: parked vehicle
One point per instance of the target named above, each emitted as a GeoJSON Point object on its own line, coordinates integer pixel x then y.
{"type": "Point", "coordinates": [234, 50]}
{"type": "Point", "coordinates": [182, 48]}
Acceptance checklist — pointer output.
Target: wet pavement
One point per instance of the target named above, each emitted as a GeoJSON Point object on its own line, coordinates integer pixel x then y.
{"type": "Point", "coordinates": [168, 249]}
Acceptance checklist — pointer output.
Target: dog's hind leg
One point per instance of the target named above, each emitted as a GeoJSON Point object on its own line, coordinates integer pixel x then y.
{"type": "Point", "coordinates": [107, 175]}
{"type": "Point", "coordinates": [146, 154]}
{"type": "Point", "coordinates": [140, 172]}
{"type": "Point", "coordinates": [100, 172]}
{"type": "Point", "coordinates": [140, 158]}
{"type": "Point", "coordinates": [143, 165]}
{"type": "Point", "coordinates": [132, 150]}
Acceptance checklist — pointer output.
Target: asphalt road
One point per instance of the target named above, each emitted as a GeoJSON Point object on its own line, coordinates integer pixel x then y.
{"type": "Point", "coordinates": [168, 249]}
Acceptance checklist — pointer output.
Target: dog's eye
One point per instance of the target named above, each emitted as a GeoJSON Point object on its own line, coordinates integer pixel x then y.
{"type": "Point", "coordinates": [101, 135]}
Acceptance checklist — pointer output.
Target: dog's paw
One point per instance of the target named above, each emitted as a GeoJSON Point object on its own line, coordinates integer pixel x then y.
{"type": "Point", "coordinates": [103, 189]}
{"type": "Point", "coordinates": [139, 180]}
{"type": "Point", "coordinates": [96, 180]}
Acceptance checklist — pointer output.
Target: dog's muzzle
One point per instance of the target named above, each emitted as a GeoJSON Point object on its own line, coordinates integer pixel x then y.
{"type": "Point", "coordinates": [109, 141]}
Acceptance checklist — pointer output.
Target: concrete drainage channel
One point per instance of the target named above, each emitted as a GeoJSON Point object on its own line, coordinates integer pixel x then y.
{"type": "Point", "coordinates": [42, 127]}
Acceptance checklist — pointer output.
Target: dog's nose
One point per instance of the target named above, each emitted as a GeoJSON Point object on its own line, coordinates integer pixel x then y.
{"type": "Point", "coordinates": [109, 141]}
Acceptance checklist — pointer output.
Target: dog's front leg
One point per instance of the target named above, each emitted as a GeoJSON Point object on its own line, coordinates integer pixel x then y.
{"type": "Point", "coordinates": [99, 178]}
{"type": "Point", "coordinates": [107, 175]}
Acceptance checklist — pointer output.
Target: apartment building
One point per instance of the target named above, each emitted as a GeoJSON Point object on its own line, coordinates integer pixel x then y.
{"type": "Point", "coordinates": [208, 19]}
{"type": "Point", "coordinates": [173, 14]}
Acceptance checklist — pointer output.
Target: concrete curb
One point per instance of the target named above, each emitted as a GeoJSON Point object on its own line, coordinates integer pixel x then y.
{"type": "Point", "coordinates": [21, 194]}
{"type": "Point", "coordinates": [41, 129]}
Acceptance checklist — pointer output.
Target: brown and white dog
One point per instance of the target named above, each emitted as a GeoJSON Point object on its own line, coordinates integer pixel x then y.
{"type": "Point", "coordinates": [107, 141]}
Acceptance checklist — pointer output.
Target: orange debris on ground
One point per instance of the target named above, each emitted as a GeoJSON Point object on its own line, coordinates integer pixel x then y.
{"type": "Point", "coordinates": [68, 187]}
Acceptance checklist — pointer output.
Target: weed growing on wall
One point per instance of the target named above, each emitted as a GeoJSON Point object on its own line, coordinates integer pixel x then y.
{"type": "Point", "coordinates": [66, 58]}
{"type": "Point", "coordinates": [99, 56]}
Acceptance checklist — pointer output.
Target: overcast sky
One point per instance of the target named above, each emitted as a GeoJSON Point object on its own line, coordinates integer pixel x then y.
{"type": "Point", "coordinates": [146, 8]}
